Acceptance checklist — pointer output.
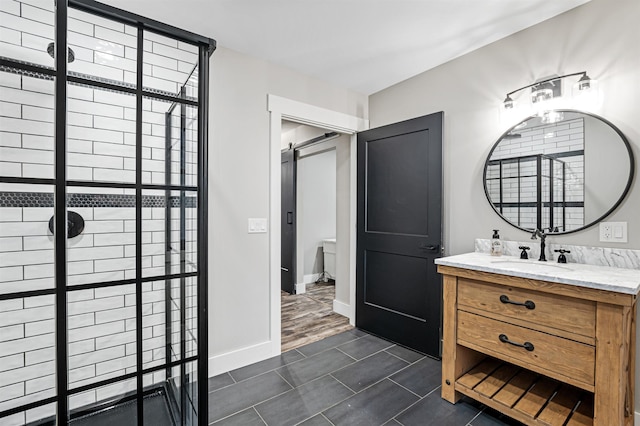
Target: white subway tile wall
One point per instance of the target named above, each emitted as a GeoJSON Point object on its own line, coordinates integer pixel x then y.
{"type": "Point", "coordinates": [550, 139]}
{"type": "Point", "coordinates": [101, 148]}
{"type": "Point", "coordinates": [101, 124]}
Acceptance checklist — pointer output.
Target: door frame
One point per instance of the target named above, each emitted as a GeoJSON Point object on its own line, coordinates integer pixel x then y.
{"type": "Point", "coordinates": [282, 108]}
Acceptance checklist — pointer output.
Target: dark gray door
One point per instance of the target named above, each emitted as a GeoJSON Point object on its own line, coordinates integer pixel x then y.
{"type": "Point", "coordinates": [398, 291]}
{"type": "Point", "coordinates": [288, 226]}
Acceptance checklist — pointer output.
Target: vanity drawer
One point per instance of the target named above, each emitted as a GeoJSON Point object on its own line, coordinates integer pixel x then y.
{"type": "Point", "coordinates": [547, 310]}
{"type": "Point", "coordinates": [564, 359]}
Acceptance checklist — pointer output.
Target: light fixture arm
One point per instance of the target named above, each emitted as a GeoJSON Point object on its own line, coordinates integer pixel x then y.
{"type": "Point", "coordinates": [537, 83]}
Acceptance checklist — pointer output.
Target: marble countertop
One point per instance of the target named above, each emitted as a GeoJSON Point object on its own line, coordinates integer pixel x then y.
{"type": "Point", "coordinates": [599, 277]}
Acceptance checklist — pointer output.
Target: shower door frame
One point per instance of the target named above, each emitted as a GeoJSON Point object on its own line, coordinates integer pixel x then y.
{"type": "Point", "coordinates": [206, 46]}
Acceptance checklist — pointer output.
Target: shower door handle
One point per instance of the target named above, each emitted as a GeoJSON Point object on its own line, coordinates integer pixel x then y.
{"type": "Point", "coordinates": [289, 218]}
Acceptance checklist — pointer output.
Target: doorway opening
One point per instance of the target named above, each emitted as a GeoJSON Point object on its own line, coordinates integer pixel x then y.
{"type": "Point", "coordinates": [309, 239]}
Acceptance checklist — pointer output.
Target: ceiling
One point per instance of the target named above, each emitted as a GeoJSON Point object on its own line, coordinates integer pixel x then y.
{"type": "Point", "coordinates": [362, 45]}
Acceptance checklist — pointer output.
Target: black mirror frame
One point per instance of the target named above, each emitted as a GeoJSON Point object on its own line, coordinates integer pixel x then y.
{"type": "Point", "coordinates": [598, 220]}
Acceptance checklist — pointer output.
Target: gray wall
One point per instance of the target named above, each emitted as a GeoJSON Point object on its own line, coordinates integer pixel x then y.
{"type": "Point", "coordinates": [601, 37]}
{"type": "Point", "coordinates": [239, 309]}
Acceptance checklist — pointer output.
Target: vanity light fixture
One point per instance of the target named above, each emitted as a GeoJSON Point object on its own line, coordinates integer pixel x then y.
{"type": "Point", "coordinates": [584, 83]}
{"type": "Point", "coordinates": [546, 90]}
{"type": "Point", "coordinates": [570, 91]}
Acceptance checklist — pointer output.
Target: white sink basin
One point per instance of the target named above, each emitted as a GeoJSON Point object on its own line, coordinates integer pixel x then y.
{"type": "Point", "coordinates": [534, 265]}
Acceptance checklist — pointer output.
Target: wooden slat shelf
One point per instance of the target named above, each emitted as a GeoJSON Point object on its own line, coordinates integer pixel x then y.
{"type": "Point", "coordinates": [528, 397]}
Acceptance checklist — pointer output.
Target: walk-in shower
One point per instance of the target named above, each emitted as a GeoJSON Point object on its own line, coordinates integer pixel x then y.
{"type": "Point", "coordinates": [104, 322]}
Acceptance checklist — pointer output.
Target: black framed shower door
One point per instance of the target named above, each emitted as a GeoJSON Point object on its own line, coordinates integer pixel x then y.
{"type": "Point", "coordinates": [107, 323]}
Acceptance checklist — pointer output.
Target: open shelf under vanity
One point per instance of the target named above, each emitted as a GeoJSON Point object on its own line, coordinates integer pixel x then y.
{"type": "Point", "coordinates": [528, 397]}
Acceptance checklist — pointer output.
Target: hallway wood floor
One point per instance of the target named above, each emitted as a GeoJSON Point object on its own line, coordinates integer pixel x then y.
{"type": "Point", "coordinates": [309, 317]}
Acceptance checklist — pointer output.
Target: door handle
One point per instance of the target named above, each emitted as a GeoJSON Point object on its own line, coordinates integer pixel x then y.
{"type": "Point", "coordinates": [284, 269]}
{"type": "Point", "coordinates": [429, 247]}
{"type": "Point", "coordinates": [289, 218]}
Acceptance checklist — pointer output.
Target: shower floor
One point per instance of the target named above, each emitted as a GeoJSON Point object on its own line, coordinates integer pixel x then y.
{"type": "Point", "coordinates": [156, 412]}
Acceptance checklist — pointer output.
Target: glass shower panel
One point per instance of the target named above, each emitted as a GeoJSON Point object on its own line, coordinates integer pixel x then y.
{"type": "Point", "coordinates": [169, 232]}
{"type": "Point", "coordinates": [159, 407]}
{"type": "Point", "coordinates": [154, 324]}
{"type": "Point", "coordinates": [105, 249]}
{"type": "Point", "coordinates": [27, 353]}
{"type": "Point", "coordinates": [191, 317]}
{"type": "Point", "coordinates": [191, 393]}
{"type": "Point", "coordinates": [26, 241]}
{"type": "Point", "coordinates": [36, 416]}
{"type": "Point", "coordinates": [191, 147]}
{"type": "Point", "coordinates": [169, 143]}
{"type": "Point", "coordinates": [168, 64]}
{"type": "Point", "coordinates": [26, 30]}
{"type": "Point", "coordinates": [102, 334]}
{"type": "Point", "coordinates": [101, 128]}
{"type": "Point", "coordinates": [26, 125]}
{"type": "Point", "coordinates": [160, 142]}
{"type": "Point", "coordinates": [115, 404]}
{"type": "Point", "coordinates": [106, 50]}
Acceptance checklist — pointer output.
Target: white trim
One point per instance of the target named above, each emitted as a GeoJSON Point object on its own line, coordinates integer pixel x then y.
{"type": "Point", "coordinates": [352, 225]}
{"type": "Point", "coordinates": [282, 108]}
{"type": "Point", "coordinates": [311, 278]}
{"type": "Point", "coordinates": [342, 308]}
{"type": "Point", "coordinates": [636, 418]}
{"type": "Point", "coordinates": [219, 364]}
{"type": "Point", "coordinates": [301, 288]}
{"type": "Point", "coordinates": [275, 136]}
{"type": "Point", "coordinates": [315, 116]}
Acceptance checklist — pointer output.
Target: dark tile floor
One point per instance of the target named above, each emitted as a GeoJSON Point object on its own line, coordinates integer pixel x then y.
{"type": "Point", "coordinates": [351, 378]}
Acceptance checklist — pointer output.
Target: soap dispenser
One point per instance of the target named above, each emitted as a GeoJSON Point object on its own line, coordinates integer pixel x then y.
{"type": "Point", "coordinates": [496, 244]}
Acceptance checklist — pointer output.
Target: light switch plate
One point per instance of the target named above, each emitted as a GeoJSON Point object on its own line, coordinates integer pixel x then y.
{"type": "Point", "coordinates": [257, 225]}
{"type": "Point", "coordinates": [613, 232]}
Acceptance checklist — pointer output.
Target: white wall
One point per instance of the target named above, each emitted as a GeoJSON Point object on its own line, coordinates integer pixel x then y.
{"type": "Point", "coordinates": [316, 210]}
{"type": "Point", "coordinates": [239, 309]}
{"type": "Point", "coordinates": [601, 37]}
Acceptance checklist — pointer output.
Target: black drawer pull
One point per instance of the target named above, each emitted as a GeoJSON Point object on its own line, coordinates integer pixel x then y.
{"type": "Point", "coordinates": [528, 304]}
{"type": "Point", "coordinates": [527, 345]}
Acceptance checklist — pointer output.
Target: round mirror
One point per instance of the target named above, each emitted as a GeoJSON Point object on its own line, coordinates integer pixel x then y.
{"type": "Point", "coordinates": [563, 171]}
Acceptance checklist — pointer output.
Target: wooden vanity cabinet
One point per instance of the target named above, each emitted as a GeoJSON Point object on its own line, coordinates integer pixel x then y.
{"type": "Point", "coordinates": [540, 352]}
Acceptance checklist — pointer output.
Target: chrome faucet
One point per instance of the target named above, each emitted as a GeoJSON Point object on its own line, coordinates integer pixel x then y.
{"type": "Point", "coordinates": [543, 237]}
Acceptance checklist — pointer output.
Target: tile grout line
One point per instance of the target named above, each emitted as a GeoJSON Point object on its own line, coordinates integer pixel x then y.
{"type": "Point", "coordinates": [346, 386]}
{"type": "Point", "coordinates": [285, 380]}
{"type": "Point", "coordinates": [399, 357]}
{"type": "Point", "coordinates": [261, 418]}
{"type": "Point", "coordinates": [411, 405]}
{"type": "Point", "coordinates": [405, 388]}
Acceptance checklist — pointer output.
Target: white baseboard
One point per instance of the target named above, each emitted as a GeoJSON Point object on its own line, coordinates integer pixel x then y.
{"type": "Point", "coordinates": [222, 363]}
{"type": "Point", "coordinates": [311, 278]}
{"type": "Point", "coordinates": [301, 288]}
{"type": "Point", "coordinates": [341, 308]}
{"type": "Point", "coordinates": [636, 418]}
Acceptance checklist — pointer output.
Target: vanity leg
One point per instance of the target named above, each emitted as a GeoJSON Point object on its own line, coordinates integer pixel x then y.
{"type": "Point", "coordinates": [450, 299]}
{"type": "Point", "coordinates": [614, 363]}
{"type": "Point", "coordinates": [456, 359]}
